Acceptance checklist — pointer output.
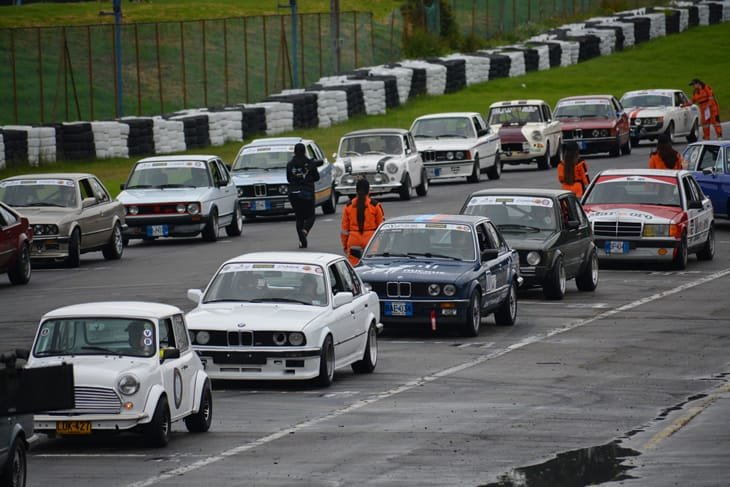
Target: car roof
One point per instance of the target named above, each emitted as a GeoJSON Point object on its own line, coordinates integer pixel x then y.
{"type": "Point", "coordinates": [585, 97]}
{"type": "Point", "coordinates": [439, 218]}
{"type": "Point", "coordinates": [181, 157]}
{"type": "Point", "coordinates": [643, 172]}
{"type": "Point", "coordinates": [314, 258]}
{"type": "Point", "coordinates": [448, 114]}
{"type": "Point", "coordinates": [719, 143]}
{"type": "Point", "coordinates": [128, 309]}
{"type": "Point", "coordinates": [53, 175]}
{"type": "Point", "coordinates": [540, 192]}
{"type": "Point", "coordinates": [279, 141]}
{"type": "Point", "coordinates": [384, 131]}
{"type": "Point", "coordinates": [653, 91]}
{"type": "Point", "coordinates": [506, 103]}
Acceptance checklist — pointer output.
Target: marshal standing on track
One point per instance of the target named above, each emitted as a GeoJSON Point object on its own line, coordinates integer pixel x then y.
{"type": "Point", "coordinates": [302, 173]}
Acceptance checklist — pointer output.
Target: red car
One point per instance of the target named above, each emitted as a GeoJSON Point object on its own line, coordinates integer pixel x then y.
{"type": "Point", "coordinates": [15, 239]}
{"type": "Point", "coordinates": [597, 123]}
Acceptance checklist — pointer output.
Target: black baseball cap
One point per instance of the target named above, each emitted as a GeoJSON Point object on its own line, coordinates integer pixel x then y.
{"type": "Point", "coordinates": [694, 80]}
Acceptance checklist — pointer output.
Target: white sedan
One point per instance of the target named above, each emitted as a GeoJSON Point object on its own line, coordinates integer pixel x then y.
{"type": "Point", "coordinates": [655, 112]}
{"type": "Point", "coordinates": [134, 370]}
{"type": "Point", "coordinates": [457, 144]}
{"type": "Point", "coordinates": [285, 316]}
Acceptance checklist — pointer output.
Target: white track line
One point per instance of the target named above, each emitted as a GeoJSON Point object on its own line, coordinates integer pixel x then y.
{"type": "Point", "coordinates": [420, 381]}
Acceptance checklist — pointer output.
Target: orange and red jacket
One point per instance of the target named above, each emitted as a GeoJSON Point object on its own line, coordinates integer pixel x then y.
{"type": "Point", "coordinates": [351, 235]}
{"type": "Point", "coordinates": [705, 97]}
{"type": "Point", "coordinates": [580, 177]}
{"type": "Point", "coordinates": [656, 161]}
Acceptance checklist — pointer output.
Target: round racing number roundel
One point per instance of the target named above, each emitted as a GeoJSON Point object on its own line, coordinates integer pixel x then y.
{"type": "Point", "coordinates": [177, 388]}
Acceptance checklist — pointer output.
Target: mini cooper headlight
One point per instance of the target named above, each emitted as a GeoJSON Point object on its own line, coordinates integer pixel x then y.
{"type": "Point", "coordinates": [283, 189]}
{"type": "Point", "coordinates": [338, 171]}
{"type": "Point", "coordinates": [202, 338]}
{"type": "Point", "coordinates": [655, 230]}
{"type": "Point", "coordinates": [132, 210]}
{"type": "Point", "coordinates": [450, 156]}
{"type": "Point", "coordinates": [449, 289]}
{"type": "Point", "coordinates": [536, 134]}
{"type": "Point", "coordinates": [533, 258]}
{"type": "Point", "coordinates": [391, 168]}
{"type": "Point", "coordinates": [180, 208]}
{"type": "Point", "coordinates": [279, 338]}
{"type": "Point", "coordinates": [434, 289]}
{"type": "Point", "coordinates": [193, 208]}
{"type": "Point", "coordinates": [296, 339]}
{"type": "Point", "coordinates": [128, 384]}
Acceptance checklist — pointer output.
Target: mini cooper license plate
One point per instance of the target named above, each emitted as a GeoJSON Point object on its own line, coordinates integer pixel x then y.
{"type": "Point", "coordinates": [616, 247]}
{"type": "Point", "coordinates": [398, 308]}
{"type": "Point", "coordinates": [73, 427]}
{"type": "Point", "coordinates": [157, 231]}
{"type": "Point", "coordinates": [259, 205]}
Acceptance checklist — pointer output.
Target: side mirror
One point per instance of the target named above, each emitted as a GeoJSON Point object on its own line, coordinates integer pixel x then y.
{"type": "Point", "coordinates": [318, 162]}
{"type": "Point", "coordinates": [342, 298]}
{"type": "Point", "coordinates": [122, 186]}
{"type": "Point", "coordinates": [489, 254]}
{"type": "Point", "coordinates": [707, 171]}
{"type": "Point", "coordinates": [87, 202]}
{"type": "Point", "coordinates": [356, 252]}
{"type": "Point", "coordinates": [694, 205]}
{"type": "Point", "coordinates": [168, 353]}
{"type": "Point", "coordinates": [572, 224]}
{"type": "Point", "coordinates": [195, 295]}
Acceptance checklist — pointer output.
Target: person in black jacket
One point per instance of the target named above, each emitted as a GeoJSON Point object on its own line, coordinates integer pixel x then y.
{"type": "Point", "coordinates": [302, 173]}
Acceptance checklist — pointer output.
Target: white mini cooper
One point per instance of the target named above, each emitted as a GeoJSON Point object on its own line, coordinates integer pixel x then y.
{"type": "Point", "coordinates": [134, 370]}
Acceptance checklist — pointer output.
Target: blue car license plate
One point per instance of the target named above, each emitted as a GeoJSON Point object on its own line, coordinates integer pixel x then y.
{"type": "Point", "coordinates": [434, 172]}
{"type": "Point", "coordinates": [583, 145]}
{"type": "Point", "coordinates": [616, 247]}
{"type": "Point", "coordinates": [157, 231]}
{"type": "Point", "coordinates": [398, 308]}
{"type": "Point", "coordinates": [260, 205]}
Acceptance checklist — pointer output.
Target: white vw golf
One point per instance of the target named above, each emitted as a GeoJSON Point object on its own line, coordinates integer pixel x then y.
{"type": "Point", "coordinates": [285, 316]}
{"type": "Point", "coordinates": [134, 370]}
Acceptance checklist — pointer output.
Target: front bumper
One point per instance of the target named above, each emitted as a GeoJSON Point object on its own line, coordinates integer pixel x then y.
{"type": "Point", "coordinates": [43, 248]}
{"type": "Point", "coordinates": [448, 169]}
{"type": "Point", "coordinates": [646, 131]}
{"type": "Point", "coordinates": [45, 423]}
{"type": "Point", "coordinates": [265, 206]}
{"type": "Point", "coordinates": [522, 153]}
{"type": "Point", "coordinates": [260, 363]}
{"type": "Point", "coordinates": [168, 226]}
{"type": "Point", "coordinates": [447, 312]}
{"type": "Point", "coordinates": [636, 249]}
{"type": "Point", "coordinates": [350, 190]}
{"type": "Point", "coordinates": [533, 275]}
{"type": "Point", "coordinates": [594, 145]}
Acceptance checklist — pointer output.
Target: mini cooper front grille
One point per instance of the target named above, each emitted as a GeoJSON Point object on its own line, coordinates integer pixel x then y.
{"type": "Point", "coordinates": [95, 400]}
{"type": "Point", "coordinates": [398, 289]}
{"type": "Point", "coordinates": [616, 229]}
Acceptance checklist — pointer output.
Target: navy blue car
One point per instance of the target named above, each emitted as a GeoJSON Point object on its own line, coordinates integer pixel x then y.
{"type": "Point", "coordinates": [710, 161]}
{"type": "Point", "coordinates": [446, 271]}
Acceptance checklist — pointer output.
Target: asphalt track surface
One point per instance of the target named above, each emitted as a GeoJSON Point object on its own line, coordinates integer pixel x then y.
{"type": "Point", "coordinates": [629, 382]}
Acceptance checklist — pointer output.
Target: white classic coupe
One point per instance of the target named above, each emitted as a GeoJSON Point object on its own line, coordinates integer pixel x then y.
{"type": "Point", "coordinates": [285, 316]}
{"type": "Point", "coordinates": [655, 112]}
{"type": "Point", "coordinates": [457, 145]}
{"type": "Point", "coordinates": [134, 370]}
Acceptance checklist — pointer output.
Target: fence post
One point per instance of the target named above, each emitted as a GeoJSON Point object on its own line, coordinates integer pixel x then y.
{"type": "Point", "coordinates": [245, 54]}
{"type": "Point", "coordinates": [91, 75]}
{"type": "Point", "coordinates": [182, 63]}
{"type": "Point", "coordinates": [225, 58]}
{"type": "Point", "coordinates": [372, 39]}
{"type": "Point", "coordinates": [319, 39]}
{"type": "Point", "coordinates": [354, 22]}
{"type": "Point", "coordinates": [266, 60]}
{"type": "Point", "coordinates": [40, 78]}
{"type": "Point", "coordinates": [301, 52]}
{"type": "Point", "coordinates": [117, 102]}
{"type": "Point", "coordinates": [205, 67]}
{"type": "Point", "coordinates": [159, 66]}
{"type": "Point", "coordinates": [139, 76]}
{"type": "Point", "coordinates": [12, 67]}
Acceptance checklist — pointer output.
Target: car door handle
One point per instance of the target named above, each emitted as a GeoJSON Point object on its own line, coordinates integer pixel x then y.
{"type": "Point", "coordinates": [184, 367]}
{"type": "Point", "coordinates": [366, 305]}
{"type": "Point", "coordinates": [352, 311]}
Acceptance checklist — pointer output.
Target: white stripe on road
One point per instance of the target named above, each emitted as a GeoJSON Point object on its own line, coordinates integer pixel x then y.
{"type": "Point", "coordinates": [421, 381]}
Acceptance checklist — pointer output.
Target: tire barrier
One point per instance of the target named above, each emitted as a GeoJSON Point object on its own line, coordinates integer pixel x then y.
{"type": "Point", "coordinates": [335, 99]}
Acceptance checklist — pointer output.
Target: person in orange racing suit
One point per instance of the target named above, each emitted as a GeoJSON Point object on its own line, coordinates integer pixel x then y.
{"type": "Point", "coordinates": [360, 218]}
{"type": "Point", "coordinates": [572, 170]}
{"type": "Point", "coordinates": [665, 157]}
{"type": "Point", "coordinates": [704, 97]}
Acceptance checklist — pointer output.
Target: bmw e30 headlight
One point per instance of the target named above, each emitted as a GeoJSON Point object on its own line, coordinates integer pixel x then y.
{"type": "Point", "coordinates": [449, 290]}
{"type": "Point", "coordinates": [296, 339]}
{"type": "Point", "coordinates": [202, 338]}
{"type": "Point", "coordinates": [459, 155]}
{"type": "Point", "coordinates": [434, 289]}
{"type": "Point", "coordinates": [283, 189]}
{"type": "Point", "coordinates": [450, 156]}
{"type": "Point", "coordinates": [128, 384]}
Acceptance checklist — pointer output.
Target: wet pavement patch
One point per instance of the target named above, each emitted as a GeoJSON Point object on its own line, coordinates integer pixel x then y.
{"type": "Point", "coordinates": [576, 468]}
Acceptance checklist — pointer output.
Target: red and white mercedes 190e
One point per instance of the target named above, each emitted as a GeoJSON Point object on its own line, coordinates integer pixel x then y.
{"type": "Point", "coordinates": [649, 215]}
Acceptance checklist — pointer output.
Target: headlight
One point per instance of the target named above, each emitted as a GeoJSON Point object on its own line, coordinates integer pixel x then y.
{"type": "Point", "coordinates": [449, 289]}
{"type": "Point", "coordinates": [434, 289]}
{"type": "Point", "coordinates": [459, 155]}
{"type": "Point", "coordinates": [379, 179]}
{"type": "Point", "coordinates": [604, 133]}
{"type": "Point", "coordinates": [279, 338]}
{"type": "Point", "coordinates": [349, 180]}
{"type": "Point", "coordinates": [283, 189]}
{"type": "Point", "coordinates": [240, 191]}
{"type": "Point", "coordinates": [533, 258]}
{"type": "Point", "coordinates": [338, 171]}
{"type": "Point", "coordinates": [132, 210]}
{"type": "Point", "coordinates": [391, 167]}
{"type": "Point", "coordinates": [536, 134]}
{"type": "Point", "coordinates": [450, 156]}
{"type": "Point", "coordinates": [193, 208]}
{"type": "Point", "coordinates": [41, 229]}
{"type": "Point", "coordinates": [637, 121]}
{"type": "Point", "coordinates": [296, 339]}
{"type": "Point", "coordinates": [180, 208]}
{"type": "Point", "coordinates": [128, 384]}
{"type": "Point", "coordinates": [202, 338]}
{"type": "Point", "coordinates": [655, 230]}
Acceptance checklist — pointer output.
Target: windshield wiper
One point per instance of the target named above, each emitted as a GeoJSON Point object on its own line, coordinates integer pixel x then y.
{"type": "Point", "coordinates": [43, 203]}
{"type": "Point", "coordinates": [280, 300]}
{"type": "Point", "coordinates": [227, 300]}
{"type": "Point", "coordinates": [451, 135]}
{"type": "Point", "coordinates": [101, 349]}
{"type": "Point", "coordinates": [390, 254]}
{"type": "Point", "coordinates": [53, 351]}
{"type": "Point", "coordinates": [139, 186]}
{"type": "Point", "coordinates": [430, 255]}
{"type": "Point", "coordinates": [513, 226]}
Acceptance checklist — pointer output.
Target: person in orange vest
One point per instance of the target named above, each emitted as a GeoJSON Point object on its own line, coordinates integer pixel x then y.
{"type": "Point", "coordinates": [665, 157]}
{"type": "Point", "coordinates": [704, 97]}
{"type": "Point", "coordinates": [572, 170]}
{"type": "Point", "coordinates": [360, 218]}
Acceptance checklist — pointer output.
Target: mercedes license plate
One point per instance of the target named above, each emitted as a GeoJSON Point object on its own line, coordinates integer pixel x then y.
{"type": "Point", "coordinates": [157, 231]}
{"type": "Point", "coordinates": [616, 247]}
{"type": "Point", "coordinates": [398, 308]}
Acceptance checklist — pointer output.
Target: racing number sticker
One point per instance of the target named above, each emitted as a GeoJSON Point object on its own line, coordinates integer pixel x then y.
{"type": "Point", "coordinates": [177, 386]}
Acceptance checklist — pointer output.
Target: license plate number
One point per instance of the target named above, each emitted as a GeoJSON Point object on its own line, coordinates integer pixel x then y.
{"type": "Point", "coordinates": [434, 171]}
{"type": "Point", "coordinates": [582, 144]}
{"type": "Point", "coordinates": [73, 428]}
{"type": "Point", "coordinates": [616, 247]}
{"type": "Point", "coordinates": [157, 231]}
{"type": "Point", "coordinates": [398, 308]}
{"type": "Point", "coordinates": [261, 205]}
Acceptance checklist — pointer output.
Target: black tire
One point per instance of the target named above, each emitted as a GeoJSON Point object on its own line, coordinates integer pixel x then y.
{"type": "Point", "coordinates": [370, 357]}
{"type": "Point", "coordinates": [20, 272]}
{"type": "Point", "coordinates": [115, 248]}
{"type": "Point", "coordinates": [495, 172]}
{"type": "Point", "coordinates": [555, 160]}
{"type": "Point", "coordinates": [329, 207]}
{"type": "Point", "coordinates": [544, 161]}
{"type": "Point", "coordinates": [422, 189]}
{"type": "Point", "coordinates": [157, 432]}
{"type": "Point", "coordinates": [125, 241]}
{"type": "Point", "coordinates": [616, 149]}
{"type": "Point", "coordinates": [707, 252]}
{"type": "Point", "coordinates": [200, 422]}
{"type": "Point", "coordinates": [635, 141]}
{"type": "Point", "coordinates": [476, 172]}
{"type": "Point", "coordinates": [680, 261]}
{"type": "Point", "coordinates": [473, 319]}
{"type": "Point", "coordinates": [74, 250]}
{"type": "Point", "coordinates": [15, 472]}
{"type": "Point", "coordinates": [670, 132]}
{"type": "Point", "coordinates": [554, 285]}
{"type": "Point", "coordinates": [694, 134]}
{"type": "Point", "coordinates": [587, 280]}
{"type": "Point", "coordinates": [626, 148]}
{"type": "Point", "coordinates": [210, 232]}
{"type": "Point", "coordinates": [326, 363]}
{"type": "Point", "coordinates": [405, 189]}
{"type": "Point", "coordinates": [506, 314]}
{"type": "Point", "coordinates": [235, 228]}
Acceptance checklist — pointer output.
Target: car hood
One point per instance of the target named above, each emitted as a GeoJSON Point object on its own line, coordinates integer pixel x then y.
{"type": "Point", "coordinates": [101, 370]}
{"type": "Point", "coordinates": [37, 214]}
{"type": "Point", "coordinates": [636, 213]}
{"type": "Point", "coordinates": [530, 241]}
{"type": "Point", "coordinates": [586, 123]}
{"type": "Point", "coordinates": [447, 143]}
{"type": "Point", "coordinates": [369, 162]}
{"type": "Point", "coordinates": [253, 316]}
{"type": "Point", "coordinates": [421, 270]}
{"type": "Point", "coordinates": [642, 112]}
{"type": "Point", "coordinates": [272, 176]}
{"type": "Point", "coordinates": [515, 133]}
{"type": "Point", "coordinates": [169, 195]}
